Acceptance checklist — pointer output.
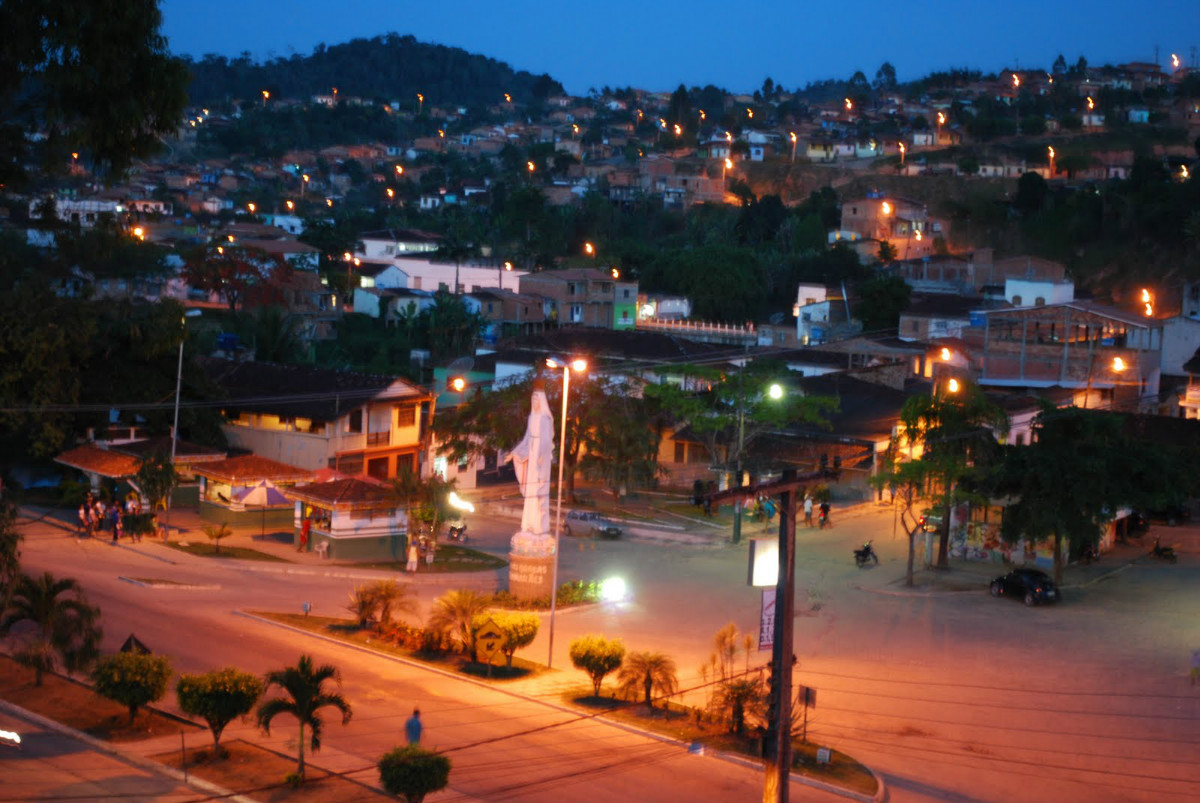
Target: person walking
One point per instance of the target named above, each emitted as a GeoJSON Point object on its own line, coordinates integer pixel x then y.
{"type": "Point", "coordinates": [808, 505]}
{"type": "Point", "coordinates": [413, 556]}
{"type": "Point", "coordinates": [825, 520]}
{"type": "Point", "coordinates": [85, 527]}
{"type": "Point", "coordinates": [413, 727]}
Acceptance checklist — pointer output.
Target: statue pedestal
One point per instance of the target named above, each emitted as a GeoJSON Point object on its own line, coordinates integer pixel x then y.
{"type": "Point", "coordinates": [531, 566]}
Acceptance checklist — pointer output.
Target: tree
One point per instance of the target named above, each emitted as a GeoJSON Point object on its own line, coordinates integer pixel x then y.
{"type": "Point", "coordinates": [1066, 483]}
{"type": "Point", "coordinates": [156, 477]}
{"type": "Point", "coordinates": [955, 432]}
{"type": "Point", "coordinates": [10, 552]}
{"type": "Point", "coordinates": [880, 302]}
{"type": "Point", "coordinates": [885, 77]}
{"type": "Point", "coordinates": [380, 601]}
{"type": "Point", "coordinates": [738, 694]}
{"type": "Point", "coordinates": [412, 772]}
{"type": "Point", "coordinates": [132, 679]}
{"type": "Point", "coordinates": [887, 253]}
{"type": "Point", "coordinates": [215, 533]}
{"type": "Point", "coordinates": [306, 696]}
{"type": "Point", "coordinates": [597, 656]}
{"type": "Point", "coordinates": [97, 79]}
{"type": "Point", "coordinates": [647, 673]}
{"type": "Point", "coordinates": [65, 627]}
{"type": "Point", "coordinates": [218, 697]}
{"type": "Point", "coordinates": [427, 499]}
{"type": "Point", "coordinates": [903, 480]}
{"type": "Point", "coordinates": [1031, 194]}
{"type": "Point", "coordinates": [519, 629]}
{"type": "Point", "coordinates": [618, 436]}
{"type": "Point", "coordinates": [455, 612]}
{"type": "Point", "coordinates": [237, 273]}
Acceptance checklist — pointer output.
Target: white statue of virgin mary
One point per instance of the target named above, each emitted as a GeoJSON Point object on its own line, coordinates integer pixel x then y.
{"type": "Point", "coordinates": [532, 459]}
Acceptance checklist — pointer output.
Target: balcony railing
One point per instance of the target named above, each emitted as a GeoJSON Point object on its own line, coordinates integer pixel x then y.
{"type": "Point", "coordinates": [379, 438]}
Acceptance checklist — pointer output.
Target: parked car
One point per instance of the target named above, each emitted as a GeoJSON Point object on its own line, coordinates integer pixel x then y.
{"type": "Point", "coordinates": [931, 520]}
{"type": "Point", "coordinates": [589, 522]}
{"type": "Point", "coordinates": [1031, 586]}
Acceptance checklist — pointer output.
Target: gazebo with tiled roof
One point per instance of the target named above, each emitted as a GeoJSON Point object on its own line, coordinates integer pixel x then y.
{"type": "Point", "coordinates": [350, 519]}
{"type": "Point", "coordinates": [222, 480]}
{"type": "Point", "coordinates": [99, 463]}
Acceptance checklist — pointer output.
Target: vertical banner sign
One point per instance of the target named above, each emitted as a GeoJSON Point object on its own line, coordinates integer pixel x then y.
{"type": "Point", "coordinates": [766, 622]}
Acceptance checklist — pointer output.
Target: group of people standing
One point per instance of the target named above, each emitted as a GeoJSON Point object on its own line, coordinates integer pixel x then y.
{"type": "Point", "coordinates": [96, 516]}
{"type": "Point", "coordinates": [417, 547]}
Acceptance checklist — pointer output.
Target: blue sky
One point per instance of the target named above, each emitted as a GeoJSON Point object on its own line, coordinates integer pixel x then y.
{"type": "Point", "coordinates": [658, 44]}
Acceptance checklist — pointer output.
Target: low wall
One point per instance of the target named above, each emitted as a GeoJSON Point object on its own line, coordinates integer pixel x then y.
{"type": "Point", "coordinates": [272, 518]}
{"type": "Point", "coordinates": [383, 547]}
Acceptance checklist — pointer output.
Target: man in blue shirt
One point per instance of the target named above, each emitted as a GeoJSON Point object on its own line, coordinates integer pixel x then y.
{"type": "Point", "coordinates": [412, 727]}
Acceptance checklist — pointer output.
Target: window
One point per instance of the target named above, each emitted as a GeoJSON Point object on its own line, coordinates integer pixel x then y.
{"type": "Point", "coordinates": [355, 421]}
{"type": "Point", "coordinates": [1016, 301]}
{"type": "Point", "coordinates": [1039, 302]}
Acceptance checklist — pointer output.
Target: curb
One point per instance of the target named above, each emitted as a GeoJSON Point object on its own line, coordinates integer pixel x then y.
{"type": "Point", "coordinates": [722, 755]}
{"type": "Point", "coordinates": [132, 759]}
{"type": "Point", "coordinates": [177, 586]}
{"type": "Point", "coordinates": [376, 574]}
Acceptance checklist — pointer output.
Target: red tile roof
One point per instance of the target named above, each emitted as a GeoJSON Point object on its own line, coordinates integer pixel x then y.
{"type": "Point", "coordinates": [352, 492]}
{"type": "Point", "coordinates": [251, 468]}
{"type": "Point", "coordinates": [94, 460]}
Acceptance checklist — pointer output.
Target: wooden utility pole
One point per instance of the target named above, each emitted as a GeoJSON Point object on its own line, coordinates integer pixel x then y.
{"type": "Point", "coordinates": [778, 745]}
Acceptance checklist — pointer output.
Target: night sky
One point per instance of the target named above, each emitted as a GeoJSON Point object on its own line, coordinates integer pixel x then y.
{"type": "Point", "coordinates": [658, 44]}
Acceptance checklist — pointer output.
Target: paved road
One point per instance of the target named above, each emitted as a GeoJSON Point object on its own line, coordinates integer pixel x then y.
{"type": "Point", "coordinates": [54, 767]}
{"type": "Point", "coordinates": [504, 748]}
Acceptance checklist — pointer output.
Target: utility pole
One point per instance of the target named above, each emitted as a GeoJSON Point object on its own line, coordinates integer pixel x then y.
{"type": "Point", "coordinates": [778, 743]}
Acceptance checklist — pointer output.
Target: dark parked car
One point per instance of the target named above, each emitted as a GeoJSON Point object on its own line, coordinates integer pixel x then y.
{"type": "Point", "coordinates": [588, 522]}
{"type": "Point", "coordinates": [1031, 586]}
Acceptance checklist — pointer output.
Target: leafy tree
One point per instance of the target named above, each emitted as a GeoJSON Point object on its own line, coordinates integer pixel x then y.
{"type": "Point", "coordinates": [597, 656]}
{"type": "Point", "coordinates": [304, 687]}
{"type": "Point", "coordinates": [1066, 484]}
{"type": "Point", "coordinates": [97, 79]}
{"type": "Point", "coordinates": [237, 273]}
{"type": "Point", "coordinates": [885, 77]}
{"type": "Point", "coordinates": [887, 252]}
{"type": "Point", "coordinates": [218, 697]}
{"type": "Point", "coordinates": [10, 552]}
{"type": "Point", "coordinates": [132, 679]}
{"type": "Point", "coordinates": [955, 433]}
{"type": "Point", "coordinates": [380, 601]}
{"type": "Point", "coordinates": [645, 673]}
{"type": "Point", "coordinates": [1031, 194]}
{"type": "Point", "coordinates": [156, 477]}
{"type": "Point", "coordinates": [217, 532]}
{"type": "Point", "coordinates": [619, 437]}
{"type": "Point", "coordinates": [427, 498]}
{"type": "Point", "coordinates": [455, 613]}
{"type": "Point", "coordinates": [64, 627]}
{"type": "Point", "coordinates": [450, 329]}
{"type": "Point", "coordinates": [880, 302]}
{"type": "Point", "coordinates": [519, 629]}
{"type": "Point", "coordinates": [412, 772]}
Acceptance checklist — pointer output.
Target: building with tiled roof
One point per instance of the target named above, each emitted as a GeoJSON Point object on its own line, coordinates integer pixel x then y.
{"type": "Point", "coordinates": [97, 462]}
{"type": "Point", "coordinates": [360, 424]}
{"type": "Point", "coordinates": [350, 518]}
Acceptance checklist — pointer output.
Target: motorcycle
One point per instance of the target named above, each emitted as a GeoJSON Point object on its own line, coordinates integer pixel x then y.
{"type": "Point", "coordinates": [1166, 553]}
{"type": "Point", "coordinates": [457, 532]}
{"type": "Point", "coordinates": [823, 520]}
{"type": "Point", "coordinates": [865, 555]}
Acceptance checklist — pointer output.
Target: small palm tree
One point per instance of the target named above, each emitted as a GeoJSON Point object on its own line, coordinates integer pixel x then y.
{"type": "Point", "coordinates": [66, 627]}
{"type": "Point", "coordinates": [646, 673]}
{"type": "Point", "coordinates": [455, 612]}
{"type": "Point", "coordinates": [215, 533]}
{"type": "Point", "coordinates": [381, 600]}
{"type": "Point", "coordinates": [305, 698]}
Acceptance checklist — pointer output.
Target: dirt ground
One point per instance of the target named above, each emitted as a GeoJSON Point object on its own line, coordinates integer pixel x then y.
{"type": "Point", "coordinates": [259, 773]}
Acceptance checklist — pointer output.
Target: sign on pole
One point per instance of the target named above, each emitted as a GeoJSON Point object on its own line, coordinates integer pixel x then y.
{"type": "Point", "coordinates": [489, 640]}
{"type": "Point", "coordinates": [766, 622]}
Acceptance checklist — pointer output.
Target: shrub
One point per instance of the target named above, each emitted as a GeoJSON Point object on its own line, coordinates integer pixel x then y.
{"type": "Point", "coordinates": [413, 772]}
{"type": "Point", "coordinates": [519, 629]}
{"type": "Point", "coordinates": [643, 673]}
{"type": "Point", "coordinates": [597, 656]}
{"type": "Point", "coordinates": [132, 679]}
{"type": "Point", "coordinates": [218, 697]}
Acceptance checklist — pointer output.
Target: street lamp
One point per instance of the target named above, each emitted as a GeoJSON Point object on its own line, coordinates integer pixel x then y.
{"type": "Point", "coordinates": [192, 313]}
{"type": "Point", "coordinates": [792, 136]}
{"type": "Point", "coordinates": [774, 392]}
{"type": "Point", "coordinates": [578, 365]}
{"type": "Point", "coordinates": [1050, 151]}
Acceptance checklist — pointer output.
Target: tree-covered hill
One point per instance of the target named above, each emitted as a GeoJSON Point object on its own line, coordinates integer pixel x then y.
{"type": "Point", "coordinates": [388, 67]}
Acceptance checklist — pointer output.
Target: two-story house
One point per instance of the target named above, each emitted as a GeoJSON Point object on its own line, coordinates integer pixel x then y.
{"type": "Point", "coordinates": [586, 297]}
{"type": "Point", "coordinates": [506, 312]}
{"type": "Point", "coordinates": [358, 424]}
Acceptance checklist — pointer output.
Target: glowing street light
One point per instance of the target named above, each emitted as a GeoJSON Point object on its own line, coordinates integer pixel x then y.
{"type": "Point", "coordinates": [702, 115]}
{"type": "Point", "coordinates": [1174, 62]}
{"type": "Point", "coordinates": [329, 202]}
{"type": "Point", "coordinates": [678, 130]}
{"type": "Point", "coordinates": [1183, 173]}
{"type": "Point", "coordinates": [952, 385]}
{"type": "Point", "coordinates": [251, 207]}
{"type": "Point", "coordinates": [886, 208]}
{"type": "Point", "coordinates": [1147, 303]}
{"type": "Point", "coordinates": [749, 113]}
{"type": "Point", "coordinates": [1091, 103]}
{"type": "Point", "coordinates": [399, 170]}
{"type": "Point", "coordinates": [902, 151]}
{"type": "Point", "coordinates": [420, 103]}
{"type": "Point", "coordinates": [616, 273]}
{"type": "Point", "coordinates": [849, 105]}
{"type": "Point", "coordinates": [1016, 81]}
{"type": "Point", "coordinates": [1118, 364]}
{"type": "Point", "coordinates": [290, 206]}
{"type": "Point", "coordinates": [577, 365]}
{"type": "Point", "coordinates": [792, 137]}
{"type": "Point", "coordinates": [266, 96]}
{"type": "Point", "coordinates": [946, 354]}
{"type": "Point", "coordinates": [507, 98]}
{"type": "Point", "coordinates": [139, 233]}
{"type": "Point", "coordinates": [727, 165]}
{"type": "Point", "coordinates": [1050, 150]}
{"type": "Point", "coordinates": [391, 193]}
{"type": "Point", "coordinates": [530, 166]}
{"type": "Point", "coordinates": [589, 249]}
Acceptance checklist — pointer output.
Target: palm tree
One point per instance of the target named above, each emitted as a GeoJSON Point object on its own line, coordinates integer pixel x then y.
{"type": "Point", "coordinates": [215, 533]}
{"type": "Point", "coordinates": [66, 628]}
{"type": "Point", "coordinates": [647, 672]}
{"type": "Point", "coordinates": [305, 697]}
{"type": "Point", "coordinates": [381, 600]}
{"type": "Point", "coordinates": [454, 612]}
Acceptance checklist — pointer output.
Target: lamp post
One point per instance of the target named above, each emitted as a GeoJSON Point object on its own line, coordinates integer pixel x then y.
{"type": "Point", "coordinates": [774, 393]}
{"type": "Point", "coordinates": [579, 366]}
{"type": "Point", "coordinates": [192, 313]}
